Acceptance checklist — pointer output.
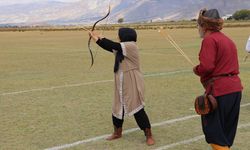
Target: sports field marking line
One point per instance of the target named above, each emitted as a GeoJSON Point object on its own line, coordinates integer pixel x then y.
{"type": "Point", "coordinates": [124, 132]}
{"type": "Point", "coordinates": [194, 139]}
{"type": "Point", "coordinates": [167, 73]}
{"type": "Point", "coordinates": [55, 87]}
{"type": "Point", "coordinates": [86, 83]}
{"type": "Point", "coordinates": [172, 121]}
{"type": "Point", "coordinates": [164, 54]}
{"type": "Point", "coordinates": [243, 63]}
{"type": "Point", "coordinates": [243, 105]}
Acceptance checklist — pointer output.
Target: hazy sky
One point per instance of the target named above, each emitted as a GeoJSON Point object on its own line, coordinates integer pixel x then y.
{"type": "Point", "coordinates": [8, 2]}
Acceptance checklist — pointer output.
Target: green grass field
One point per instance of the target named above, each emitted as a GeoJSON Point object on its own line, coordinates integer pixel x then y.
{"type": "Point", "coordinates": [49, 96]}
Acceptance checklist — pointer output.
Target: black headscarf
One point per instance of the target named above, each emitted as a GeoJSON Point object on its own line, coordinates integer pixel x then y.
{"type": "Point", "coordinates": [125, 35]}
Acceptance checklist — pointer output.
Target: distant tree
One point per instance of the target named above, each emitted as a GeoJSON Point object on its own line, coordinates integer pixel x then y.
{"type": "Point", "coordinates": [243, 14]}
{"type": "Point", "coordinates": [120, 20]}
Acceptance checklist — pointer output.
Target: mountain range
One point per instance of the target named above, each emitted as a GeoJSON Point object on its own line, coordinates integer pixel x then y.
{"type": "Point", "coordinates": [86, 11]}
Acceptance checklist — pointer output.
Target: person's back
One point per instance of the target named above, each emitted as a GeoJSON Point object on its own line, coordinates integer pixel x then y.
{"type": "Point", "coordinates": [222, 51]}
{"type": "Point", "coordinates": [218, 70]}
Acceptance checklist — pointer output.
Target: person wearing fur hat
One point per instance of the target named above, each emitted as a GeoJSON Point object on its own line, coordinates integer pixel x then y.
{"type": "Point", "coordinates": [218, 71]}
{"type": "Point", "coordinates": [129, 83]}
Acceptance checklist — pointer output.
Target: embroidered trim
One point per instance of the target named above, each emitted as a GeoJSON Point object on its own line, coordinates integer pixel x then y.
{"type": "Point", "coordinates": [136, 110]}
{"type": "Point", "coordinates": [121, 94]}
{"type": "Point", "coordinates": [119, 117]}
{"type": "Point", "coordinates": [124, 51]}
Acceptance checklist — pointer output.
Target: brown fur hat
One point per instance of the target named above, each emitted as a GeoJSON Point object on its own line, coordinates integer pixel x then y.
{"type": "Point", "coordinates": [210, 20]}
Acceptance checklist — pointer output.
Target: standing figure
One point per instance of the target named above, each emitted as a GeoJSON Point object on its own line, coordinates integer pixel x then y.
{"type": "Point", "coordinates": [247, 49]}
{"type": "Point", "coordinates": [128, 82]}
{"type": "Point", "coordinates": [218, 71]}
{"type": "Point", "coordinates": [248, 45]}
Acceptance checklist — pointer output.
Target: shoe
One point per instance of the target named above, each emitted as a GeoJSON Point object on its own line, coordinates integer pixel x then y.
{"type": "Point", "coordinates": [116, 135]}
{"type": "Point", "coordinates": [149, 137]}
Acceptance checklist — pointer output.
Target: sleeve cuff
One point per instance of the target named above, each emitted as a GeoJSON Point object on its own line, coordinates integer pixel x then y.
{"type": "Point", "coordinates": [98, 41]}
{"type": "Point", "coordinates": [195, 70]}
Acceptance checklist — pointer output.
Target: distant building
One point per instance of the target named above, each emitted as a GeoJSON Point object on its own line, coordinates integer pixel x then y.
{"type": "Point", "coordinates": [156, 20]}
{"type": "Point", "coordinates": [226, 17]}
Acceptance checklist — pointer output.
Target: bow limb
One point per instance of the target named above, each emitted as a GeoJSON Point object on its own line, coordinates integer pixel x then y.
{"type": "Point", "coordinates": [91, 53]}
{"type": "Point", "coordinates": [245, 58]}
{"type": "Point", "coordinates": [93, 28]}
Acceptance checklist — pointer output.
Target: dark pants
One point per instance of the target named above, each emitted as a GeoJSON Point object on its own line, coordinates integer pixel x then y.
{"type": "Point", "coordinates": [141, 118]}
{"type": "Point", "coordinates": [220, 126]}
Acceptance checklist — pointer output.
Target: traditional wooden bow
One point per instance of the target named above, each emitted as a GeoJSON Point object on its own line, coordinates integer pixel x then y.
{"type": "Point", "coordinates": [245, 58]}
{"type": "Point", "coordinates": [93, 28]}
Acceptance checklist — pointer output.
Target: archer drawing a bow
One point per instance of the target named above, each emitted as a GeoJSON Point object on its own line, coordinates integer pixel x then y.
{"type": "Point", "coordinates": [247, 49]}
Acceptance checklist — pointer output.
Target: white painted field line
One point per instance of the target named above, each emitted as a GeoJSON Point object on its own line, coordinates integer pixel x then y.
{"type": "Point", "coordinates": [194, 139]}
{"type": "Point", "coordinates": [86, 83]}
{"type": "Point", "coordinates": [166, 73]}
{"type": "Point", "coordinates": [125, 132]}
{"type": "Point", "coordinates": [245, 105]}
{"type": "Point", "coordinates": [197, 138]}
{"type": "Point", "coordinates": [55, 87]}
{"type": "Point", "coordinates": [164, 54]}
{"type": "Point", "coordinates": [172, 121]}
{"type": "Point", "coordinates": [243, 63]}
